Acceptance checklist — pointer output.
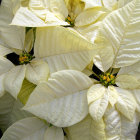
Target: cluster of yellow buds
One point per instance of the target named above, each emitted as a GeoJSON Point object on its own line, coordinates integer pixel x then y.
{"type": "Point", "coordinates": [25, 58]}
{"type": "Point", "coordinates": [107, 79]}
{"type": "Point", "coordinates": [70, 21]}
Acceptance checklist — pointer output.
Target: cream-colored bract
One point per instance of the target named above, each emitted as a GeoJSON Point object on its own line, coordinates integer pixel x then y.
{"type": "Point", "coordinates": [129, 77]}
{"type": "Point", "coordinates": [109, 4]}
{"type": "Point", "coordinates": [122, 127]}
{"type": "Point", "coordinates": [98, 97]}
{"type": "Point", "coordinates": [87, 129]}
{"type": "Point", "coordinates": [63, 49]}
{"type": "Point", "coordinates": [61, 96]}
{"type": "Point", "coordinates": [35, 71]}
{"type": "Point", "coordinates": [33, 129]}
{"type": "Point", "coordinates": [39, 13]}
{"type": "Point", "coordinates": [12, 36]}
{"type": "Point", "coordinates": [113, 126]}
{"type": "Point", "coordinates": [119, 33]}
{"type": "Point", "coordinates": [57, 54]}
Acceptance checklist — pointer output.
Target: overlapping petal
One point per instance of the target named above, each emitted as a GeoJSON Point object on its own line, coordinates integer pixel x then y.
{"type": "Point", "coordinates": [37, 71]}
{"type": "Point", "coordinates": [13, 80]}
{"type": "Point", "coordinates": [34, 129]}
{"type": "Point", "coordinates": [63, 49]}
{"type": "Point", "coordinates": [123, 39]}
{"type": "Point", "coordinates": [61, 96]}
{"type": "Point", "coordinates": [12, 36]}
{"type": "Point", "coordinates": [88, 129]}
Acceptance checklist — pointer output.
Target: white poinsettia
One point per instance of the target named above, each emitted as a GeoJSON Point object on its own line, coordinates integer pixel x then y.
{"type": "Point", "coordinates": [49, 46]}
{"type": "Point", "coordinates": [57, 54]}
{"type": "Point", "coordinates": [13, 40]}
{"type": "Point", "coordinates": [26, 67]}
{"type": "Point", "coordinates": [87, 129]}
{"type": "Point", "coordinates": [112, 127]}
{"type": "Point", "coordinates": [118, 127]}
{"type": "Point", "coordinates": [63, 49]}
{"type": "Point", "coordinates": [99, 95]}
{"type": "Point", "coordinates": [66, 94]}
{"type": "Point", "coordinates": [74, 13]}
{"type": "Point", "coordinates": [118, 38]}
{"type": "Point", "coordinates": [34, 129]}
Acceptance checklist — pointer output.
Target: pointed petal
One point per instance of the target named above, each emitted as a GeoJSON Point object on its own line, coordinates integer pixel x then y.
{"type": "Point", "coordinates": [104, 57]}
{"type": "Point", "coordinates": [133, 70]}
{"type": "Point", "coordinates": [27, 18]}
{"type": "Point", "coordinates": [29, 40]}
{"type": "Point", "coordinates": [124, 38]}
{"type": "Point", "coordinates": [37, 71]}
{"type": "Point", "coordinates": [53, 45]}
{"type": "Point", "coordinates": [5, 65]}
{"type": "Point", "coordinates": [4, 50]}
{"type": "Point", "coordinates": [98, 107]}
{"type": "Point", "coordinates": [113, 96]}
{"type": "Point", "coordinates": [61, 96]}
{"type": "Point", "coordinates": [58, 7]}
{"type": "Point", "coordinates": [113, 123]}
{"type": "Point", "coordinates": [95, 93]}
{"type": "Point", "coordinates": [13, 80]}
{"type": "Point", "coordinates": [126, 103]}
{"type": "Point", "coordinates": [87, 129]}
{"type": "Point", "coordinates": [12, 36]}
{"type": "Point", "coordinates": [88, 17]}
{"type": "Point", "coordinates": [127, 82]}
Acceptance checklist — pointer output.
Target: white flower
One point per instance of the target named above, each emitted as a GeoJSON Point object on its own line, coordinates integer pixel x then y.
{"type": "Point", "coordinates": [74, 13]}
{"type": "Point", "coordinates": [113, 126]}
{"type": "Point", "coordinates": [49, 49]}
{"type": "Point", "coordinates": [66, 94]}
{"type": "Point", "coordinates": [34, 129]}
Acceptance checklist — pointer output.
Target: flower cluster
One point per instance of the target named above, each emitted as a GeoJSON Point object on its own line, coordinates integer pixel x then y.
{"type": "Point", "coordinates": [69, 69]}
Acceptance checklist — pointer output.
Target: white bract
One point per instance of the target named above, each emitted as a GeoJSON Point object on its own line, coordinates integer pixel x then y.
{"type": "Point", "coordinates": [32, 129]}
{"type": "Point", "coordinates": [58, 51]}
{"type": "Point", "coordinates": [62, 98]}
{"type": "Point", "coordinates": [14, 75]}
{"type": "Point", "coordinates": [122, 127]}
{"type": "Point", "coordinates": [112, 127]}
{"type": "Point", "coordinates": [118, 38]}
{"type": "Point", "coordinates": [65, 97]}
{"type": "Point", "coordinates": [87, 129]}
{"type": "Point", "coordinates": [14, 40]}
{"type": "Point", "coordinates": [79, 14]}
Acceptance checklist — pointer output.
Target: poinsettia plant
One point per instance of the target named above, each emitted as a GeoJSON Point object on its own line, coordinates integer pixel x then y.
{"type": "Point", "coordinates": [69, 69]}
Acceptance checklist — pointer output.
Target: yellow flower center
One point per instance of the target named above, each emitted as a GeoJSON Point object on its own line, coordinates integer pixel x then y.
{"type": "Point", "coordinates": [107, 79]}
{"type": "Point", "coordinates": [70, 21]}
{"type": "Point", "coordinates": [25, 58]}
